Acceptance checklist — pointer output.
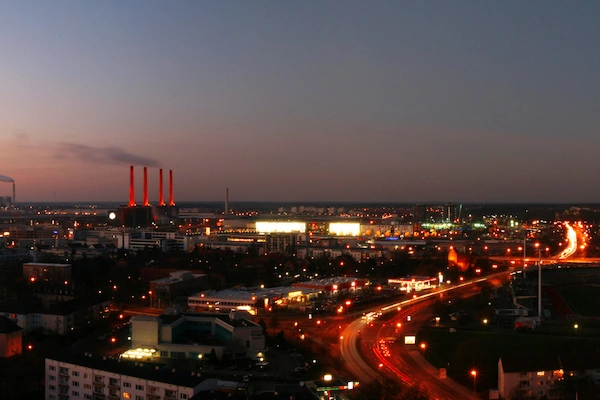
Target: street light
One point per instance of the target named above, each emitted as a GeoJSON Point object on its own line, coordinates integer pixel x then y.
{"type": "Point", "coordinates": [474, 375]}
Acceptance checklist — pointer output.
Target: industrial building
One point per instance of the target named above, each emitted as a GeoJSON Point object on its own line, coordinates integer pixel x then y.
{"type": "Point", "coordinates": [134, 215]}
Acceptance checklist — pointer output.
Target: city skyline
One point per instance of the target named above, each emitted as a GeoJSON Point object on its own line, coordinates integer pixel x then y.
{"type": "Point", "coordinates": [301, 101]}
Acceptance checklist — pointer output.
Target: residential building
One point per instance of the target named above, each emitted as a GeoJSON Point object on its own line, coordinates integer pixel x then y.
{"type": "Point", "coordinates": [85, 377]}
{"type": "Point", "coordinates": [11, 338]}
{"type": "Point", "coordinates": [542, 376]}
{"type": "Point", "coordinates": [47, 272]}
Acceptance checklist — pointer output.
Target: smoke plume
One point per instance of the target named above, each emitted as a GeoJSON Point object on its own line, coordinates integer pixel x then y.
{"type": "Point", "coordinates": [6, 179]}
{"type": "Point", "coordinates": [106, 155]}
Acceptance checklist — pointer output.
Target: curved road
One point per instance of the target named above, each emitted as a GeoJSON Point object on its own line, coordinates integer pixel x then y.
{"type": "Point", "coordinates": [402, 367]}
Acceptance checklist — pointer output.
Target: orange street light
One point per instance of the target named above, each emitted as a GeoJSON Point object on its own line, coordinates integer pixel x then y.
{"type": "Point", "coordinates": [474, 375]}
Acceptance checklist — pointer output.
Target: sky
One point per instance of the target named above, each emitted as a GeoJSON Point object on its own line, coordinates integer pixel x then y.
{"type": "Point", "coordinates": [384, 101]}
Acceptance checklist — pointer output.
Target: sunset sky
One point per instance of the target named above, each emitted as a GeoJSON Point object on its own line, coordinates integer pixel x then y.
{"type": "Point", "coordinates": [385, 101]}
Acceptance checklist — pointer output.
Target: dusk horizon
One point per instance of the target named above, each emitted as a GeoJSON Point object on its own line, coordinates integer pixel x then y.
{"type": "Point", "coordinates": [435, 101]}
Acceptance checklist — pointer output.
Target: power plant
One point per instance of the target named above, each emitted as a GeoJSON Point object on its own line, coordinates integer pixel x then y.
{"type": "Point", "coordinates": [133, 215]}
{"type": "Point", "coordinates": [6, 201]}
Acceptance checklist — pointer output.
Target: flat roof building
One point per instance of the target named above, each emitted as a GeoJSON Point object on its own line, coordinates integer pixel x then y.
{"type": "Point", "coordinates": [188, 335]}
{"type": "Point", "coordinates": [88, 377]}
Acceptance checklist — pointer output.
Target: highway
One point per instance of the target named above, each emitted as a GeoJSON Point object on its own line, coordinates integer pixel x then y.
{"type": "Point", "coordinates": [365, 335]}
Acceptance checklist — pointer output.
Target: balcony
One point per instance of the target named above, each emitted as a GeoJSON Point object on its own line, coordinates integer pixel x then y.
{"type": "Point", "coordinates": [63, 372]}
{"type": "Point", "coordinates": [152, 396]}
{"type": "Point", "coordinates": [114, 384]}
{"type": "Point", "coordinates": [99, 384]}
{"type": "Point", "coordinates": [169, 395]}
{"type": "Point", "coordinates": [98, 396]}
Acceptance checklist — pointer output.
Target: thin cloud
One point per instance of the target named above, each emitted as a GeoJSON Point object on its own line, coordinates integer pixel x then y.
{"type": "Point", "coordinates": [106, 155]}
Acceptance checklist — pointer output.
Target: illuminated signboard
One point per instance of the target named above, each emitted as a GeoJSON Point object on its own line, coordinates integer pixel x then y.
{"type": "Point", "coordinates": [410, 340]}
{"type": "Point", "coordinates": [280, 227]}
{"type": "Point", "coordinates": [344, 228]}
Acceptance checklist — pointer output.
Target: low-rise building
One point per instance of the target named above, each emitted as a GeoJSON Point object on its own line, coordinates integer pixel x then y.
{"type": "Point", "coordinates": [544, 376]}
{"type": "Point", "coordinates": [179, 284]}
{"type": "Point", "coordinates": [163, 240]}
{"type": "Point", "coordinates": [11, 338]}
{"type": "Point", "coordinates": [190, 335]}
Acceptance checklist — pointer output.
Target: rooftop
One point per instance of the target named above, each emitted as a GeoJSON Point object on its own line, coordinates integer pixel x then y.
{"type": "Point", "coordinates": [7, 326]}
{"type": "Point", "coordinates": [150, 371]}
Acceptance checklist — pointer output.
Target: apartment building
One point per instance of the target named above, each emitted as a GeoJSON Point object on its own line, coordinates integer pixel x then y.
{"type": "Point", "coordinates": [84, 377]}
{"type": "Point", "coordinates": [544, 375]}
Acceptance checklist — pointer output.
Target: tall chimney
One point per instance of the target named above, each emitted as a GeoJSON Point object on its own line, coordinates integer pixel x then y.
{"type": "Point", "coordinates": [161, 192]}
{"type": "Point", "coordinates": [146, 202]}
{"type": "Point", "coordinates": [13, 200]}
{"type": "Point", "coordinates": [131, 188]}
{"type": "Point", "coordinates": [226, 201]}
{"type": "Point", "coordinates": [171, 200]}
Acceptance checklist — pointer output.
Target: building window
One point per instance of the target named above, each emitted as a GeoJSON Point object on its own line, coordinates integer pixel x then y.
{"type": "Point", "coordinates": [540, 383]}
{"type": "Point", "coordinates": [139, 387]}
{"type": "Point", "coordinates": [87, 386]}
{"type": "Point", "coordinates": [75, 393]}
{"type": "Point", "coordinates": [164, 354]}
{"type": "Point", "coordinates": [52, 377]}
{"type": "Point", "coordinates": [52, 397]}
{"type": "Point", "coordinates": [75, 373]}
{"type": "Point", "coordinates": [139, 398]}
{"type": "Point", "coordinates": [126, 395]}
{"type": "Point", "coordinates": [52, 387]}
{"type": "Point", "coordinates": [126, 384]}
{"type": "Point", "coordinates": [183, 396]}
{"type": "Point", "coordinates": [52, 368]}
{"type": "Point", "coordinates": [540, 392]}
{"type": "Point", "coordinates": [75, 383]}
{"type": "Point", "coordinates": [86, 376]}
{"type": "Point", "coordinates": [87, 396]}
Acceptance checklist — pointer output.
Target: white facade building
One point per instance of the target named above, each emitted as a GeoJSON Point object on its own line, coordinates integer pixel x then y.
{"type": "Point", "coordinates": [166, 241]}
{"type": "Point", "coordinates": [93, 378]}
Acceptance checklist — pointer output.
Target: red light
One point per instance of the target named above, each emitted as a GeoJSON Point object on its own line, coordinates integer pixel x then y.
{"type": "Point", "coordinates": [348, 302]}
{"type": "Point", "coordinates": [30, 347]}
{"type": "Point", "coordinates": [113, 340]}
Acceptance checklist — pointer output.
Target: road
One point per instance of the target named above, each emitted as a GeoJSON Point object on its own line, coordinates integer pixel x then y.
{"type": "Point", "coordinates": [405, 365]}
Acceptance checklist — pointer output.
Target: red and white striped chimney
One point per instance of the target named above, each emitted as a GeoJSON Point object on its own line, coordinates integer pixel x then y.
{"type": "Point", "coordinates": [161, 192]}
{"type": "Point", "coordinates": [131, 188]}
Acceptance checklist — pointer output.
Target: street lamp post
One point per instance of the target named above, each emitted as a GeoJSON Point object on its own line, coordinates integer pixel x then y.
{"type": "Point", "coordinates": [474, 375]}
{"type": "Point", "coordinates": [539, 247]}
